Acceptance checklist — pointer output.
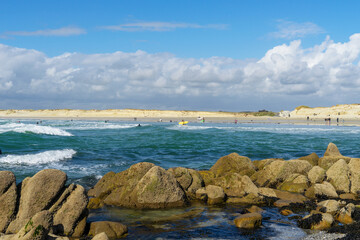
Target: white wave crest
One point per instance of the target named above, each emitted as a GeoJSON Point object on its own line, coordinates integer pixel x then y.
{"type": "Point", "coordinates": [39, 158]}
{"type": "Point", "coordinates": [34, 128]}
{"type": "Point", "coordinates": [99, 126]}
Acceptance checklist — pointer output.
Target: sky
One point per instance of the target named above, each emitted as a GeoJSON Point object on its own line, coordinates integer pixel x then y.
{"type": "Point", "coordinates": [210, 55]}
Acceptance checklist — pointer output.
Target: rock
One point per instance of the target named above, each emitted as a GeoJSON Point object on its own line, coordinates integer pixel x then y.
{"type": "Point", "coordinates": [111, 229]}
{"type": "Point", "coordinates": [70, 210]}
{"type": "Point", "coordinates": [316, 221]}
{"type": "Point", "coordinates": [235, 185]}
{"type": "Point", "coordinates": [332, 206]}
{"type": "Point", "coordinates": [189, 179]}
{"type": "Point", "coordinates": [283, 203]}
{"type": "Point", "coordinates": [338, 176]}
{"type": "Point", "coordinates": [158, 189]}
{"type": "Point", "coordinates": [324, 191]}
{"type": "Point", "coordinates": [201, 194]}
{"type": "Point", "coordinates": [254, 208]}
{"type": "Point", "coordinates": [100, 236]}
{"type": "Point", "coordinates": [51, 236]}
{"type": "Point", "coordinates": [354, 170]}
{"type": "Point", "coordinates": [331, 156]}
{"type": "Point", "coordinates": [286, 212]}
{"type": "Point", "coordinates": [215, 194]}
{"type": "Point", "coordinates": [247, 200]}
{"type": "Point", "coordinates": [347, 196]}
{"type": "Point", "coordinates": [312, 159]}
{"type": "Point", "coordinates": [37, 227]}
{"type": "Point", "coordinates": [260, 164]}
{"type": "Point", "coordinates": [345, 214]}
{"type": "Point", "coordinates": [278, 171]}
{"type": "Point", "coordinates": [316, 175]}
{"type": "Point", "coordinates": [207, 176]}
{"type": "Point", "coordinates": [8, 198]}
{"type": "Point", "coordinates": [37, 193]}
{"type": "Point", "coordinates": [233, 163]}
{"type": "Point", "coordinates": [120, 184]}
{"type": "Point", "coordinates": [267, 192]}
{"type": "Point", "coordinates": [292, 197]}
{"type": "Point", "coordinates": [295, 183]}
{"type": "Point", "coordinates": [248, 221]}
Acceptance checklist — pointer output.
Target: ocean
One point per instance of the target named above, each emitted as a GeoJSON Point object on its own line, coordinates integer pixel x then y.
{"type": "Point", "coordinates": [86, 150]}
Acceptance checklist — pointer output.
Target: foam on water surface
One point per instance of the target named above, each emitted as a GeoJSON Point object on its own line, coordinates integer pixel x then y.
{"type": "Point", "coordinates": [39, 158]}
{"type": "Point", "coordinates": [33, 128]}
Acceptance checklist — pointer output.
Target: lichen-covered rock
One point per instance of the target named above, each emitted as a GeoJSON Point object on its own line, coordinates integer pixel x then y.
{"type": "Point", "coordinates": [277, 171]}
{"type": "Point", "coordinates": [331, 156]}
{"type": "Point", "coordinates": [157, 189]}
{"type": "Point", "coordinates": [207, 176]}
{"type": "Point", "coordinates": [215, 194]}
{"type": "Point", "coordinates": [255, 208]}
{"type": "Point", "coordinates": [292, 197]}
{"type": "Point", "coordinates": [249, 199]}
{"type": "Point", "coordinates": [354, 170]}
{"type": "Point", "coordinates": [345, 214]}
{"type": "Point", "coordinates": [37, 227]}
{"type": "Point", "coordinates": [70, 210]}
{"type": "Point", "coordinates": [332, 206]}
{"type": "Point", "coordinates": [189, 179]}
{"type": "Point", "coordinates": [267, 192]}
{"type": "Point", "coordinates": [338, 176]}
{"type": "Point", "coordinates": [324, 191]}
{"type": "Point", "coordinates": [8, 198]}
{"type": "Point", "coordinates": [37, 193]}
{"type": "Point", "coordinates": [295, 183]}
{"type": "Point", "coordinates": [316, 221]}
{"type": "Point", "coordinates": [235, 185]}
{"type": "Point", "coordinates": [316, 175]}
{"type": "Point", "coordinates": [113, 230]}
{"type": "Point", "coordinates": [248, 221]}
{"type": "Point", "coordinates": [233, 163]}
{"type": "Point", "coordinates": [260, 164]}
{"type": "Point", "coordinates": [313, 159]}
{"type": "Point", "coordinates": [120, 185]}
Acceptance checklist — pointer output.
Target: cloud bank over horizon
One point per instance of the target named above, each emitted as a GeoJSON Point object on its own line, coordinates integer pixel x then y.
{"type": "Point", "coordinates": [286, 76]}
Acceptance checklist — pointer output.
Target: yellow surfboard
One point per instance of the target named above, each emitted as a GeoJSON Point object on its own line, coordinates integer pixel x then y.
{"type": "Point", "coordinates": [183, 122]}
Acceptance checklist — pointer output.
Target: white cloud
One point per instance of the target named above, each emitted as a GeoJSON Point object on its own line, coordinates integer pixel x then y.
{"type": "Point", "coordinates": [159, 26]}
{"type": "Point", "coordinates": [141, 79]}
{"type": "Point", "coordinates": [64, 32]}
{"type": "Point", "coordinates": [292, 30]}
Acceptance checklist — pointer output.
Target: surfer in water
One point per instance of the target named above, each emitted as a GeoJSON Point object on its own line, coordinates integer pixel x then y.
{"type": "Point", "coordinates": [139, 125]}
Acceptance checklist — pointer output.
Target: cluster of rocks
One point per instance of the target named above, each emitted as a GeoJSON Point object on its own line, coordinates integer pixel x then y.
{"type": "Point", "coordinates": [43, 207]}
{"type": "Point", "coordinates": [327, 188]}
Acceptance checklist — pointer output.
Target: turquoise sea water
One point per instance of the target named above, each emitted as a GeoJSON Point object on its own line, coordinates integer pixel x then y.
{"type": "Point", "coordinates": [86, 150]}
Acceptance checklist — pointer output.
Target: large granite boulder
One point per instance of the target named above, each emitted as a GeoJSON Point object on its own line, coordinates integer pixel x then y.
{"type": "Point", "coordinates": [354, 170]}
{"type": "Point", "coordinates": [100, 236]}
{"type": "Point", "coordinates": [260, 164]}
{"type": "Point", "coordinates": [313, 159]}
{"type": "Point", "coordinates": [189, 179]}
{"type": "Point", "coordinates": [37, 194]}
{"type": "Point", "coordinates": [157, 189]}
{"type": "Point", "coordinates": [344, 216]}
{"type": "Point", "coordinates": [207, 176]}
{"type": "Point", "coordinates": [332, 206]}
{"type": "Point", "coordinates": [236, 185]}
{"type": "Point", "coordinates": [317, 221]}
{"type": "Point", "coordinates": [113, 230]}
{"type": "Point", "coordinates": [338, 176]}
{"type": "Point", "coordinates": [70, 212]}
{"type": "Point", "coordinates": [331, 156]}
{"type": "Point", "coordinates": [211, 194]}
{"type": "Point", "coordinates": [37, 227]}
{"type": "Point", "coordinates": [324, 191]}
{"type": "Point", "coordinates": [8, 198]}
{"type": "Point", "coordinates": [277, 171]}
{"type": "Point", "coordinates": [233, 163]}
{"type": "Point", "coordinates": [316, 175]}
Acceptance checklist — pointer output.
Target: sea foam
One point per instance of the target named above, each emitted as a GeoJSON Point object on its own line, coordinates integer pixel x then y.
{"type": "Point", "coordinates": [34, 128]}
{"type": "Point", "coordinates": [39, 158]}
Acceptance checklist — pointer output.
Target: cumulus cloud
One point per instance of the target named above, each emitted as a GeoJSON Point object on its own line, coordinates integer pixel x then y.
{"type": "Point", "coordinates": [64, 32]}
{"type": "Point", "coordinates": [159, 26]}
{"type": "Point", "coordinates": [326, 71]}
{"type": "Point", "coordinates": [292, 30]}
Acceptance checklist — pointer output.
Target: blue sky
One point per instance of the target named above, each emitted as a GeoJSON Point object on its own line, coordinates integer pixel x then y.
{"type": "Point", "coordinates": [205, 55]}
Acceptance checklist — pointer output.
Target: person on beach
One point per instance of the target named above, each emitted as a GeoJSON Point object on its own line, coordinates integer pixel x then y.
{"type": "Point", "coordinates": [236, 121]}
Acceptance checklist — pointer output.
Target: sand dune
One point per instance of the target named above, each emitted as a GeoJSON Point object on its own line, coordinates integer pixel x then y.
{"type": "Point", "coordinates": [344, 111]}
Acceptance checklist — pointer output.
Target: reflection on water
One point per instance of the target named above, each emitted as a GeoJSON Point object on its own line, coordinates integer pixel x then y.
{"type": "Point", "coordinates": [197, 222]}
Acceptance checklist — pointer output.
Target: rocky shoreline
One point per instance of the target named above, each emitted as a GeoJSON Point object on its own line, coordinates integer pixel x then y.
{"type": "Point", "coordinates": [326, 188]}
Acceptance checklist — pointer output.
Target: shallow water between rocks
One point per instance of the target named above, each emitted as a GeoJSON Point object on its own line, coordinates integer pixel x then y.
{"type": "Point", "coordinates": [86, 150]}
